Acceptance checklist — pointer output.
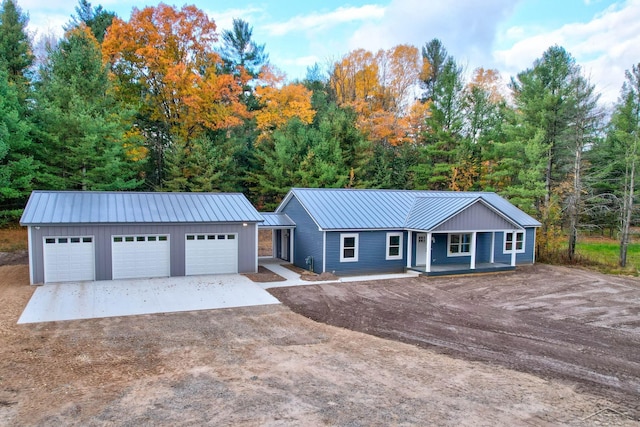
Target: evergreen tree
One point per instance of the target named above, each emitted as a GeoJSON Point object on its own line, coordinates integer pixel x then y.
{"type": "Point", "coordinates": [437, 56]}
{"type": "Point", "coordinates": [17, 166]}
{"type": "Point", "coordinates": [16, 55]}
{"type": "Point", "coordinates": [87, 142]}
{"type": "Point", "coordinates": [96, 18]}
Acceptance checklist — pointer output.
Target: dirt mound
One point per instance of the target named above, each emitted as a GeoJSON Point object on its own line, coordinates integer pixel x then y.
{"type": "Point", "coordinates": [14, 258]}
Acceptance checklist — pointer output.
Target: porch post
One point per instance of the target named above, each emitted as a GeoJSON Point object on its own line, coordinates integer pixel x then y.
{"type": "Point", "coordinates": [493, 247]}
{"type": "Point", "coordinates": [274, 241]}
{"type": "Point", "coordinates": [472, 266]}
{"type": "Point", "coordinates": [409, 244]}
{"type": "Point", "coordinates": [513, 248]}
{"type": "Point", "coordinates": [427, 265]}
{"type": "Point", "coordinates": [291, 245]}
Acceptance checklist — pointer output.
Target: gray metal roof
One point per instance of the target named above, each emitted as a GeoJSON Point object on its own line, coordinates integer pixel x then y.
{"type": "Point", "coordinates": [276, 220]}
{"type": "Point", "coordinates": [344, 209]}
{"type": "Point", "coordinates": [111, 207]}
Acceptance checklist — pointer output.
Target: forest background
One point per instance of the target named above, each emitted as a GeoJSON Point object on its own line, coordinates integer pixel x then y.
{"type": "Point", "coordinates": [166, 101]}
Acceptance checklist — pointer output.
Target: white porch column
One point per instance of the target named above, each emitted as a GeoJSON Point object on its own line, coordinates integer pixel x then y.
{"type": "Point", "coordinates": [472, 266]}
{"type": "Point", "coordinates": [513, 248]}
{"type": "Point", "coordinates": [493, 247]}
{"type": "Point", "coordinates": [274, 245]}
{"type": "Point", "coordinates": [427, 265]}
{"type": "Point", "coordinates": [291, 230]}
{"type": "Point", "coordinates": [409, 243]}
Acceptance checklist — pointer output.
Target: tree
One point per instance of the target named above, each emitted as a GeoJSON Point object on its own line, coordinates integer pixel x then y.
{"type": "Point", "coordinates": [436, 56]}
{"type": "Point", "coordinates": [239, 51]}
{"type": "Point", "coordinates": [163, 62]}
{"type": "Point", "coordinates": [583, 129]}
{"type": "Point", "coordinates": [624, 135]}
{"type": "Point", "coordinates": [16, 56]}
{"type": "Point", "coordinates": [17, 166]}
{"type": "Point", "coordinates": [86, 138]}
{"type": "Point", "coordinates": [96, 18]}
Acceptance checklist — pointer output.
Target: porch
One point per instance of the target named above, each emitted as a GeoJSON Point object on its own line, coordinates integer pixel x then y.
{"type": "Point", "coordinates": [452, 269]}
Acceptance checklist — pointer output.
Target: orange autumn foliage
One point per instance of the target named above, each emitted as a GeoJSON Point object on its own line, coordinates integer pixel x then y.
{"type": "Point", "coordinates": [166, 55]}
{"type": "Point", "coordinates": [380, 88]}
{"type": "Point", "coordinates": [281, 103]}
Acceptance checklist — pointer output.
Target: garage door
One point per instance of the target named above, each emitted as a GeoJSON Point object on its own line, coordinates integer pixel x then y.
{"type": "Point", "coordinates": [68, 259]}
{"type": "Point", "coordinates": [211, 254]}
{"type": "Point", "coordinates": [137, 256]}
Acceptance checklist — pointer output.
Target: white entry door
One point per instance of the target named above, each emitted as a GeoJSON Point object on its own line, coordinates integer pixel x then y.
{"type": "Point", "coordinates": [211, 253]}
{"type": "Point", "coordinates": [68, 259]}
{"type": "Point", "coordinates": [421, 249]}
{"type": "Point", "coordinates": [138, 256]}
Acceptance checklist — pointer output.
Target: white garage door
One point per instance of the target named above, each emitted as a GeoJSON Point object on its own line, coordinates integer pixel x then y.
{"type": "Point", "coordinates": [137, 256]}
{"type": "Point", "coordinates": [211, 254]}
{"type": "Point", "coordinates": [68, 259]}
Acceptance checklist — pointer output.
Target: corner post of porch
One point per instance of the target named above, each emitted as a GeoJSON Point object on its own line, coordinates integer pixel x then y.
{"type": "Point", "coordinates": [492, 257]}
{"type": "Point", "coordinates": [291, 230]}
{"type": "Point", "coordinates": [513, 248]}
{"type": "Point", "coordinates": [409, 244]}
{"type": "Point", "coordinates": [472, 265]}
{"type": "Point", "coordinates": [427, 265]}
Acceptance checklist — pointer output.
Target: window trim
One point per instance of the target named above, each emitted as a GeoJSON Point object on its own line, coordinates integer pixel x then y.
{"type": "Point", "coordinates": [344, 236]}
{"type": "Point", "coordinates": [388, 256]}
{"type": "Point", "coordinates": [504, 242]}
{"type": "Point", "coordinates": [456, 254]}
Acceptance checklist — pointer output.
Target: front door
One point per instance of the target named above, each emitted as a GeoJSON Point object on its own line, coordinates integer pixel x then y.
{"type": "Point", "coordinates": [421, 249]}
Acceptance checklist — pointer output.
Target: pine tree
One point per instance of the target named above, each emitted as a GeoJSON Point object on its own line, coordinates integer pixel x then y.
{"type": "Point", "coordinates": [87, 142]}
{"type": "Point", "coordinates": [16, 55]}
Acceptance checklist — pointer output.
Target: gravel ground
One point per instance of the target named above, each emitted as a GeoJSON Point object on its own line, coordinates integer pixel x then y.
{"type": "Point", "coordinates": [257, 366]}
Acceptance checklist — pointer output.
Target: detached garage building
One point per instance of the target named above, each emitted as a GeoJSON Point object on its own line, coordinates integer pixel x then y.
{"type": "Point", "coordinates": [86, 235]}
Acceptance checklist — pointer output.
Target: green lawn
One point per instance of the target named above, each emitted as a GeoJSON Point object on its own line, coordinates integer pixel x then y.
{"type": "Point", "coordinates": [606, 252]}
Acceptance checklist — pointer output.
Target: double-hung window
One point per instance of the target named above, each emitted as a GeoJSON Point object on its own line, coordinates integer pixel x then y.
{"type": "Point", "coordinates": [459, 244]}
{"type": "Point", "coordinates": [510, 241]}
{"type": "Point", "coordinates": [394, 246]}
{"type": "Point", "coordinates": [348, 247]}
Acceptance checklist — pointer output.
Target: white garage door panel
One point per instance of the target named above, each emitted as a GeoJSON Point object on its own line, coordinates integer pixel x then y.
{"type": "Point", "coordinates": [211, 254]}
{"type": "Point", "coordinates": [68, 259]}
{"type": "Point", "coordinates": [140, 256]}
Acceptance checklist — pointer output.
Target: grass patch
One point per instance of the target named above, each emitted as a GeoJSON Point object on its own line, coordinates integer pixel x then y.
{"type": "Point", "coordinates": [602, 254]}
{"type": "Point", "coordinates": [13, 239]}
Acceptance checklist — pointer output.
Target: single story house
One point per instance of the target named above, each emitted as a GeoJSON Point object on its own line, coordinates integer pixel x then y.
{"type": "Point", "coordinates": [91, 235]}
{"type": "Point", "coordinates": [349, 231]}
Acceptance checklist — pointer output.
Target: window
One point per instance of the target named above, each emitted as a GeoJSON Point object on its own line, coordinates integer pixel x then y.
{"type": "Point", "coordinates": [348, 248]}
{"type": "Point", "coordinates": [459, 244]}
{"type": "Point", "coordinates": [519, 242]}
{"type": "Point", "coordinates": [394, 246]}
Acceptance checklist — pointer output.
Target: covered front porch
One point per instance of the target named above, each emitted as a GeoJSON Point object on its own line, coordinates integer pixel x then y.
{"type": "Point", "coordinates": [446, 253]}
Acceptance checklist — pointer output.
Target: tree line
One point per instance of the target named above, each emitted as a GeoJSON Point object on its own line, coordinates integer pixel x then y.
{"type": "Point", "coordinates": [166, 101]}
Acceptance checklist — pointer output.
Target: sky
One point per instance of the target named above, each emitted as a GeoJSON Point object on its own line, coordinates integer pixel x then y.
{"type": "Point", "coordinates": [508, 35]}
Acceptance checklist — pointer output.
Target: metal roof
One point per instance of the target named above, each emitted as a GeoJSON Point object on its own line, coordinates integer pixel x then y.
{"type": "Point", "coordinates": [276, 220]}
{"type": "Point", "coordinates": [344, 209]}
{"type": "Point", "coordinates": [113, 207]}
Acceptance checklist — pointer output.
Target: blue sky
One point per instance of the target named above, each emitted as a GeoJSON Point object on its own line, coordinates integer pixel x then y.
{"type": "Point", "coordinates": [508, 35]}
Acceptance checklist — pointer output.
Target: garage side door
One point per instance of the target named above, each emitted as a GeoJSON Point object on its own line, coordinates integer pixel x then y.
{"type": "Point", "coordinates": [138, 256]}
{"type": "Point", "coordinates": [68, 259]}
{"type": "Point", "coordinates": [211, 254]}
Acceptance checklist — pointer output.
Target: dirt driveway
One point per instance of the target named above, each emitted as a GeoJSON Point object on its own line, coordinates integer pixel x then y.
{"type": "Point", "coordinates": [559, 323]}
{"type": "Point", "coordinates": [258, 366]}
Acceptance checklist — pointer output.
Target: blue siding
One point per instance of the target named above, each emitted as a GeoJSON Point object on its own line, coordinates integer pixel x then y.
{"type": "Point", "coordinates": [372, 247]}
{"type": "Point", "coordinates": [307, 239]}
{"type": "Point", "coordinates": [522, 258]}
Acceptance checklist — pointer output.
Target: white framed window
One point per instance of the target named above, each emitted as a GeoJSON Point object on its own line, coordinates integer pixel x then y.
{"type": "Point", "coordinates": [459, 244]}
{"type": "Point", "coordinates": [349, 247]}
{"type": "Point", "coordinates": [394, 246]}
{"type": "Point", "coordinates": [509, 242]}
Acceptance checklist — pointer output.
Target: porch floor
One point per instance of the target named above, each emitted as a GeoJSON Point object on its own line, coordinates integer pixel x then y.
{"type": "Point", "coordinates": [450, 269]}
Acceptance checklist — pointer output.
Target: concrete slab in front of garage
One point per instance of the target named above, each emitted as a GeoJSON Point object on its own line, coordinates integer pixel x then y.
{"type": "Point", "coordinates": [109, 298]}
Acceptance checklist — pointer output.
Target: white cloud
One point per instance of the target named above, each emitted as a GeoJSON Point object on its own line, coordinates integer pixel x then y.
{"type": "Point", "coordinates": [316, 21]}
{"type": "Point", "coordinates": [604, 47]}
